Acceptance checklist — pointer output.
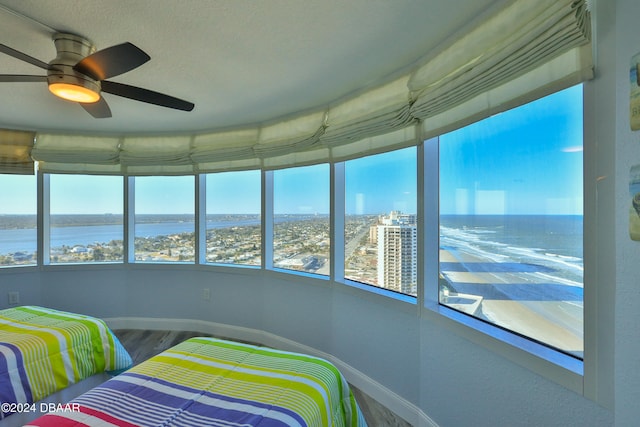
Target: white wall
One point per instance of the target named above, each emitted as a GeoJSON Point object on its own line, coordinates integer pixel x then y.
{"type": "Point", "coordinates": [627, 291]}
{"type": "Point", "coordinates": [451, 379]}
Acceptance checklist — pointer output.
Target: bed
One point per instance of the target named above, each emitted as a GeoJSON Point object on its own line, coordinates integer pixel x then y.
{"type": "Point", "coordinates": [211, 382]}
{"type": "Point", "coordinates": [43, 351]}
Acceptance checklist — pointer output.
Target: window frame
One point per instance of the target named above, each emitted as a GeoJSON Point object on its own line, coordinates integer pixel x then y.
{"type": "Point", "coordinates": [339, 199]}
{"type": "Point", "coordinates": [201, 221]}
{"type": "Point", "coordinates": [130, 221]}
{"type": "Point", "coordinates": [44, 225]}
{"type": "Point", "coordinates": [268, 225]}
{"type": "Point", "coordinates": [559, 367]}
{"type": "Point", "coordinates": [35, 259]}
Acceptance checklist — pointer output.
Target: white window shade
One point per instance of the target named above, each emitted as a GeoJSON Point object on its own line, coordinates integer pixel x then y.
{"type": "Point", "coordinates": [526, 37]}
{"type": "Point", "coordinates": [301, 158]}
{"type": "Point", "coordinates": [157, 155]}
{"type": "Point", "coordinates": [525, 50]}
{"type": "Point", "coordinates": [225, 150]}
{"type": "Point", "coordinates": [77, 154]}
{"type": "Point", "coordinates": [400, 138]}
{"type": "Point", "coordinates": [15, 152]}
{"type": "Point", "coordinates": [542, 81]}
{"type": "Point", "coordinates": [377, 111]}
{"type": "Point", "coordinates": [294, 135]}
{"type": "Point", "coordinates": [228, 165]}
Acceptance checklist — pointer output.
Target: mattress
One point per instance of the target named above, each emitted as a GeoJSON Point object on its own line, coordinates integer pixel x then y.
{"type": "Point", "coordinates": [212, 382]}
{"type": "Point", "coordinates": [44, 350]}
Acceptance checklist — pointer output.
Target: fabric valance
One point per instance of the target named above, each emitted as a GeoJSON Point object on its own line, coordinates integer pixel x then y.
{"type": "Point", "coordinates": [15, 152]}
{"type": "Point", "coordinates": [548, 40]}
{"type": "Point", "coordinates": [77, 153]}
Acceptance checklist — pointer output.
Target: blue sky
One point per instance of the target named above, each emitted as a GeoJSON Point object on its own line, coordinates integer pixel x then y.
{"type": "Point", "coordinates": [17, 194]}
{"type": "Point", "coordinates": [86, 194]}
{"type": "Point", "coordinates": [234, 192]}
{"type": "Point", "coordinates": [374, 185]}
{"type": "Point", "coordinates": [486, 168]}
{"type": "Point", "coordinates": [524, 161]}
{"type": "Point", "coordinates": [381, 183]}
{"type": "Point", "coordinates": [301, 190]}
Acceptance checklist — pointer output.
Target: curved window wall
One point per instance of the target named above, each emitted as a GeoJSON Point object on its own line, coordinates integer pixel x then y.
{"type": "Point", "coordinates": [507, 224]}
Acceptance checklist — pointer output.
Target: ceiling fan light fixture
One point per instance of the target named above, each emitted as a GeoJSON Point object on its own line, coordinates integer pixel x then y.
{"type": "Point", "coordinates": [73, 92]}
{"type": "Point", "coordinates": [65, 82]}
{"type": "Point", "coordinates": [78, 72]}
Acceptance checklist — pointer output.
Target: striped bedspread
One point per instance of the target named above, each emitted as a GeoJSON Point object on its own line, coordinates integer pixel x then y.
{"type": "Point", "coordinates": [211, 382]}
{"type": "Point", "coordinates": [44, 350]}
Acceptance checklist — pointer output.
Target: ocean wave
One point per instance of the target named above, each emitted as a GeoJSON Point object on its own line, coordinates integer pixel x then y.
{"type": "Point", "coordinates": [567, 269]}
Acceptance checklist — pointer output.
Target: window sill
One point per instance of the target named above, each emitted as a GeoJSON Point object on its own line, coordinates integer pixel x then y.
{"type": "Point", "coordinates": [380, 291]}
{"type": "Point", "coordinates": [14, 268]}
{"type": "Point", "coordinates": [547, 362]}
{"type": "Point", "coordinates": [59, 266]}
{"type": "Point", "coordinates": [228, 265]}
{"type": "Point", "coordinates": [298, 276]}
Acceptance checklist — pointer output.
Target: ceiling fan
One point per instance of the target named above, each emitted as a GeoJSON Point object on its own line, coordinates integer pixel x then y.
{"type": "Point", "coordinates": [78, 74]}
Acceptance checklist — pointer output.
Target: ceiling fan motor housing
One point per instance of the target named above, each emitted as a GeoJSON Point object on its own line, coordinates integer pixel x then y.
{"type": "Point", "coordinates": [71, 50]}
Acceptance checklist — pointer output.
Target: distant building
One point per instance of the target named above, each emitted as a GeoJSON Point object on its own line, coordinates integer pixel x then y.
{"type": "Point", "coordinates": [397, 252]}
{"type": "Point", "coordinates": [373, 234]}
{"type": "Point", "coordinates": [22, 256]}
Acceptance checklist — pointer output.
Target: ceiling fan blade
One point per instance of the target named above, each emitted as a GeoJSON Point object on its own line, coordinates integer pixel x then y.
{"type": "Point", "coordinates": [145, 95]}
{"type": "Point", "coordinates": [23, 57]}
{"type": "Point", "coordinates": [99, 109]}
{"type": "Point", "coordinates": [112, 61]}
{"type": "Point", "coordinates": [19, 78]}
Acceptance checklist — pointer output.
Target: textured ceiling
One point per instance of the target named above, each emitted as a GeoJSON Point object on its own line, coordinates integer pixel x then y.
{"type": "Point", "coordinates": [239, 61]}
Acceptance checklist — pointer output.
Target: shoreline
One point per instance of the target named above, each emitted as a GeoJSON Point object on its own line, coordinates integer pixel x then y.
{"type": "Point", "coordinates": [544, 318]}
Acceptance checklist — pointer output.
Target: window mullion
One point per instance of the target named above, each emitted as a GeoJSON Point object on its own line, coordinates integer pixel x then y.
{"type": "Point", "coordinates": [428, 204]}
{"type": "Point", "coordinates": [44, 224]}
{"type": "Point", "coordinates": [337, 215]}
{"type": "Point", "coordinates": [201, 219]}
{"type": "Point", "coordinates": [129, 218]}
{"type": "Point", "coordinates": [267, 219]}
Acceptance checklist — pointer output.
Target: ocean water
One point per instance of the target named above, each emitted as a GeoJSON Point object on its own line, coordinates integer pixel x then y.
{"type": "Point", "coordinates": [550, 245]}
{"type": "Point", "coordinates": [24, 240]}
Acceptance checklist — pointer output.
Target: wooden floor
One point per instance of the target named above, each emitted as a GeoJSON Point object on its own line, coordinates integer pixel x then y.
{"type": "Point", "coordinates": [143, 344]}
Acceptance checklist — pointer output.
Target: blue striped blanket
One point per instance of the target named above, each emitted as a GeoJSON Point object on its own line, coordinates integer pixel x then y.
{"type": "Point", "coordinates": [44, 350]}
{"type": "Point", "coordinates": [211, 382]}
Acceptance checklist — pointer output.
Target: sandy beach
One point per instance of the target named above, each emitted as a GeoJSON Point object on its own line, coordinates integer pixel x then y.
{"type": "Point", "coordinates": [518, 300]}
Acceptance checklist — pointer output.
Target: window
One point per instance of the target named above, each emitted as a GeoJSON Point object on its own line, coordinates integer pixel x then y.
{"type": "Point", "coordinates": [164, 219]}
{"type": "Point", "coordinates": [233, 229]}
{"type": "Point", "coordinates": [301, 219]}
{"type": "Point", "coordinates": [511, 220]}
{"type": "Point", "coordinates": [380, 221]}
{"type": "Point", "coordinates": [86, 219]}
{"type": "Point", "coordinates": [18, 207]}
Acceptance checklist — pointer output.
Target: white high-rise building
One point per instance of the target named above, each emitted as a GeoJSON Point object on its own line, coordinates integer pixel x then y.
{"type": "Point", "coordinates": [397, 253]}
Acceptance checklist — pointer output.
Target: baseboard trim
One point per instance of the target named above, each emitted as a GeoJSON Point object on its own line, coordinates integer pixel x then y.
{"type": "Point", "coordinates": [407, 410]}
